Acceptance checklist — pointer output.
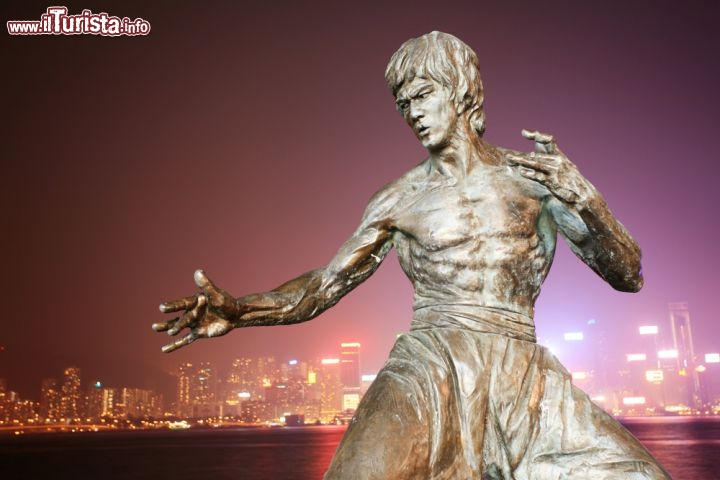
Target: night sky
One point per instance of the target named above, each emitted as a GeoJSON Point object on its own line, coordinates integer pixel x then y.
{"type": "Point", "coordinates": [246, 138]}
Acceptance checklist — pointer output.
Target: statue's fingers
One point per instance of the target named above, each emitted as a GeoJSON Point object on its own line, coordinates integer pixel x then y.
{"type": "Point", "coordinates": [537, 136]}
{"type": "Point", "coordinates": [550, 162]}
{"type": "Point", "coordinates": [164, 326]}
{"type": "Point", "coordinates": [215, 295]}
{"type": "Point", "coordinates": [533, 174]}
{"type": "Point", "coordinates": [530, 161]}
{"type": "Point", "coordinates": [188, 318]}
{"type": "Point", "coordinates": [183, 322]}
{"type": "Point", "coordinates": [186, 340]}
{"type": "Point", "coordinates": [178, 305]}
{"type": "Point", "coordinates": [544, 142]}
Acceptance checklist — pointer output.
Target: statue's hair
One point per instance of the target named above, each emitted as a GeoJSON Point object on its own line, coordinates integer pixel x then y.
{"type": "Point", "coordinates": [446, 60]}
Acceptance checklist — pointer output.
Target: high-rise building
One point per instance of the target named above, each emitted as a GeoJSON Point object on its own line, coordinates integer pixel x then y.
{"type": "Point", "coordinates": [137, 403]}
{"type": "Point", "coordinates": [350, 364]}
{"type": "Point", "coordinates": [70, 398]}
{"type": "Point", "coordinates": [4, 403]}
{"type": "Point", "coordinates": [268, 371]}
{"type": "Point", "coordinates": [685, 351]}
{"type": "Point", "coordinates": [248, 377]}
{"type": "Point", "coordinates": [197, 391]}
{"type": "Point", "coordinates": [205, 401]}
{"type": "Point", "coordinates": [186, 372]}
{"type": "Point", "coordinates": [350, 374]}
{"type": "Point", "coordinates": [330, 388]}
{"type": "Point", "coordinates": [97, 402]}
{"type": "Point", "coordinates": [293, 392]}
{"type": "Point", "coordinates": [50, 396]}
{"type": "Point", "coordinates": [109, 400]}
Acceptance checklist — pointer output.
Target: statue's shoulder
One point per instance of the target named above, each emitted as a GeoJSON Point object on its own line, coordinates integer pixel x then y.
{"type": "Point", "coordinates": [391, 196]}
{"type": "Point", "coordinates": [411, 181]}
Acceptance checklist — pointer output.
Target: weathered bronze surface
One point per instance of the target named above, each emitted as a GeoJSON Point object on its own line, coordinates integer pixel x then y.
{"type": "Point", "coordinates": [467, 393]}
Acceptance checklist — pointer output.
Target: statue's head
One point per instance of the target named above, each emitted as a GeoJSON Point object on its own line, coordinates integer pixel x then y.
{"type": "Point", "coordinates": [446, 60]}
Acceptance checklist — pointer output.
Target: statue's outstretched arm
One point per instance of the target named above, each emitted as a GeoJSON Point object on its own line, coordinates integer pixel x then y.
{"type": "Point", "coordinates": [581, 214]}
{"type": "Point", "coordinates": [213, 312]}
{"type": "Point", "coordinates": [311, 294]}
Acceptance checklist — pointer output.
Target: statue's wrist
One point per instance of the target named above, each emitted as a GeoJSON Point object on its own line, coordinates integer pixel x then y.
{"type": "Point", "coordinates": [590, 201]}
{"type": "Point", "coordinates": [235, 319]}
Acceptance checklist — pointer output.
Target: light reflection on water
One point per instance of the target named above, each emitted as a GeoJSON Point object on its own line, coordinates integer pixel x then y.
{"type": "Point", "coordinates": [687, 447]}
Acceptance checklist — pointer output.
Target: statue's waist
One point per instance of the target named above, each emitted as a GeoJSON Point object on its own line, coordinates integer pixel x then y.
{"type": "Point", "coordinates": [476, 318]}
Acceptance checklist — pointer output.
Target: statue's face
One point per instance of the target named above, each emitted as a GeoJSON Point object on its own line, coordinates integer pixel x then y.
{"type": "Point", "coordinates": [430, 112]}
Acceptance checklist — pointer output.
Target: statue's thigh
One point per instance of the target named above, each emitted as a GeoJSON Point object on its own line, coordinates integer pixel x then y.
{"type": "Point", "coordinates": [387, 437]}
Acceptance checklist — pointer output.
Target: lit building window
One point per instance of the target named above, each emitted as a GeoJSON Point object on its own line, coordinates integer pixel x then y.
{"type": "Point", "coordinates": [712, 358]}
{"type": "Point", "coordinates": [648, 330]}
{"type": "Point", "coordinates": [665, 354]}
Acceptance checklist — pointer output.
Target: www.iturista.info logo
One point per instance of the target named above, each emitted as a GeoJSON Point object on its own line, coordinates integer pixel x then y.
{"type": "Point", "coordinates": [56, 21]}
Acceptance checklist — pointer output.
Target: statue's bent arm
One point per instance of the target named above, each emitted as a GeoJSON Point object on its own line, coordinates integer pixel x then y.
{"type": "Point", "coordinates": [580, 213]}
{"type": "Point", "coordinates": [600, 240]}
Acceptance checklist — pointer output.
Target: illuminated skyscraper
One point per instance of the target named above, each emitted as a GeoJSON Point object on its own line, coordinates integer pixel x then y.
{"type": "Point", "coordinates": [330, 388]}
{"type": "Point", "coordinates": [268, 370]}
{"type": "Point", "coordinates": [350, 364]}
{"type": "Point", "coordinates": [205, 401]}
{"type": "Point", "coordinates": [186, 371]}
{"type": "Point", "coordinates": [138, 403]}
{"type": "Point", "coordinates": [109, 400]}
{"type": "Point", "coordinates": [70, 394]}
{"type": "Point", "coordinates": [350, 374]}
{"type": "Point", "coordinates": [683, 345]}
{"type": "Point", "coordinates": [239, 384]}
{"type": "Point", "coordinates": [49, 401]}
{"type": "Point", "coordinates": [197, 391]}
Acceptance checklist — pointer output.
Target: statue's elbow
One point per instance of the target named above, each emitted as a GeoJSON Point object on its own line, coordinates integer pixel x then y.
{"type": "Point", "coordinates": [632, 282]}
{"type": "Point", "coordinates": [636, 284]}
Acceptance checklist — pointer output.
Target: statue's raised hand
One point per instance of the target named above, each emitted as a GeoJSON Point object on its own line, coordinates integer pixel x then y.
{"type": "Point", "coordinates": [549, 166]}
{"type": "Point", "coordinates": [209, 313]}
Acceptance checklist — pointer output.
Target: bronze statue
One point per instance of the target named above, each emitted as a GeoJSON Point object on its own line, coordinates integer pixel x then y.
{"type": "Point", "coordinates": [467, 392]}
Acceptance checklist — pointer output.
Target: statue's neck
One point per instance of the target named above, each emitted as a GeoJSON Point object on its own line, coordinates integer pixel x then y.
{"type": "Point", "coordinates": [466, 152]}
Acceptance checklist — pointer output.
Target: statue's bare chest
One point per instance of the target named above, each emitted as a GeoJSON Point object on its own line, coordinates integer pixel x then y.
{"type": "Point", "coordinates": [447, 215]}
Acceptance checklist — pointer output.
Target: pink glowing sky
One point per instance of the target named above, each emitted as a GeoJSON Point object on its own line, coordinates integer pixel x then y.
{"type": "Point", "coordinates": [246, 139]}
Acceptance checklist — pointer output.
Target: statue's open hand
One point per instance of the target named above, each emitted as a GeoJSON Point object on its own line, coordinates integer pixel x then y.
{"type": "Point", "coordinates": [549, 166]}
{"type": "Point", "coordinates": [207, 314]}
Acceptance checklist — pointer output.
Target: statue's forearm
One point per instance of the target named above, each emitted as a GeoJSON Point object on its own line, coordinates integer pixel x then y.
{"type": "Point", "coordinates": [608, 247]}
{"type": "Point", "coordinates": [296, 301]}
{"type": "Point", "coordinates": [308, 295]}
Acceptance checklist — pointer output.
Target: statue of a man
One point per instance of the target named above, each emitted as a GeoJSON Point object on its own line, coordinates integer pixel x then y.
{"type": "Point", "coordinates": [467, 392]}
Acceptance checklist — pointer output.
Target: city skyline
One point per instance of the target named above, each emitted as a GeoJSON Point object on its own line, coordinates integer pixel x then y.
{"type": "Point", "coordinates": [661, 370]}
{"type": "Point", "coordinates": [556, 342]}
{"type": "Point", "coordinates": [266, 391]}
{"type": "Point", "coordinates": [247, 141]}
